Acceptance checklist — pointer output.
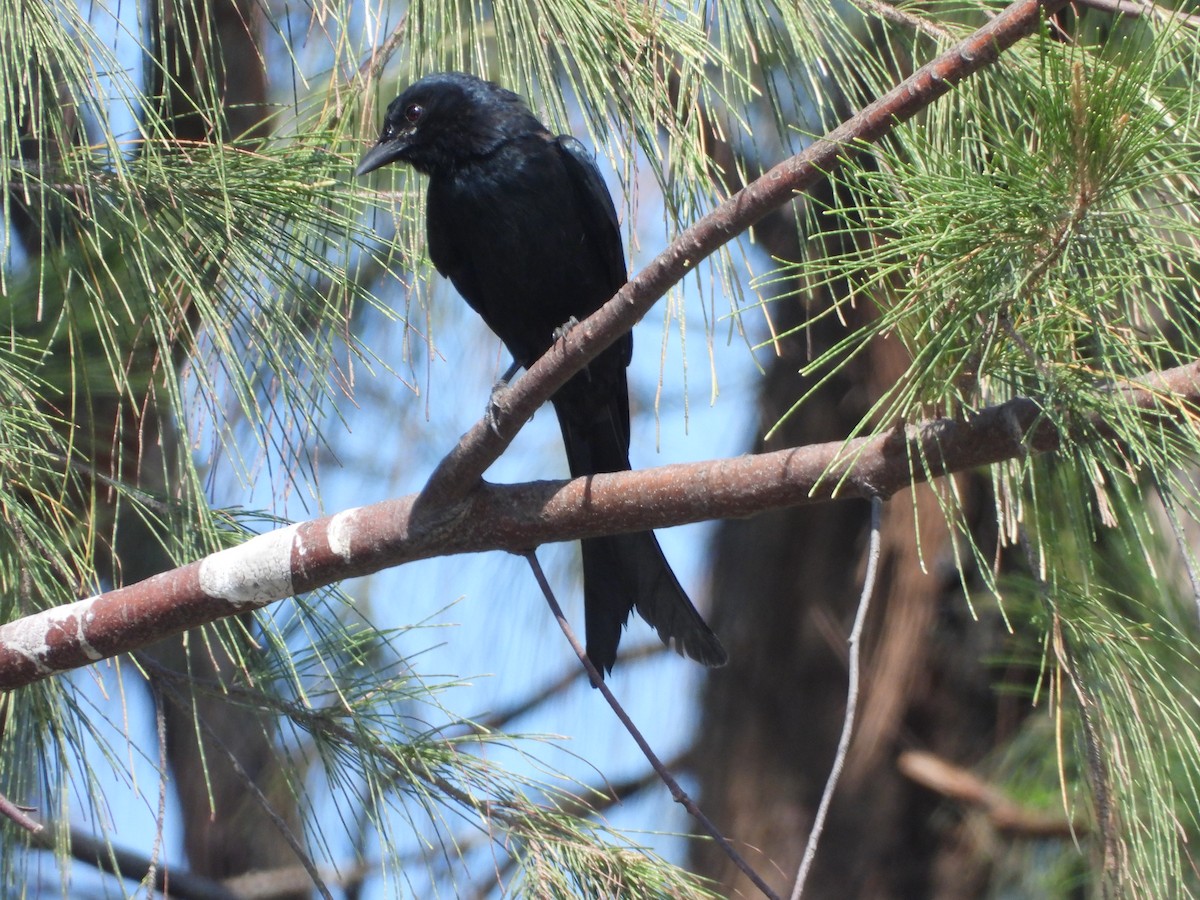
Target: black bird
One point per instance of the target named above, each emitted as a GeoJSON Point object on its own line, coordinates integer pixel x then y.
{"type": "Point", "coordinates": [522, 224]}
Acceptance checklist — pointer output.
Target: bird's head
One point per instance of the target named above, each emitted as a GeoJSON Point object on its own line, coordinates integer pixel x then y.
{"type": "Point", "coordinates": [445, 120]}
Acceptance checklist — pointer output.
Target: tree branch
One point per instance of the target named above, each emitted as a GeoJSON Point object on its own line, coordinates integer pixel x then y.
{"type": "Point", "coordinates": [460, 471]}
{"type": "Point", "coordinates": [966, 787]}
{"type": "Point", "coordinates": [458, 513]}
{"type": "Point", "coordinates": [133, 866]}
{"type": "Point", "coordinates": [678, 794]}
{"type": "Point", "coordinates": [1142, 8]}
{"type": "Point", "coordinates": [363, 540]}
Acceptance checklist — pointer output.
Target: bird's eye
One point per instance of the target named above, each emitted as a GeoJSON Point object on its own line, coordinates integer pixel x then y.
{"type": "Point", "coordinates": [413, 112]}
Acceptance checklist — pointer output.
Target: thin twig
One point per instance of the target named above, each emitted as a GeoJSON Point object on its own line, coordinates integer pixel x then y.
{"type": "Point", "coordinates": [677, 793]}
{"type": "Point", "coordinates": [374, 63]}
{"type": "Point", "coordinates": [1097, 765]}
{"type": "Point", "coordinates": [843, 747]}
{"type": "Point", "coordinates": [500, 719]}
{"type": "Point", "coordinates": [610, 795]}
{"type": "Point", "coordinates": [106, 857]}
{"type": "Point", "coordinates": [19, 815]}
{"type": "Point", "coordinates": [898, 16]}
{"type": "Point", "coordinates": [965, 787]}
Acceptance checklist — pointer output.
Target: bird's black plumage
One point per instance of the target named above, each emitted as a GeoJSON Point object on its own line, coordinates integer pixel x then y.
{"type": "Point", "coordinates": [523, 225]}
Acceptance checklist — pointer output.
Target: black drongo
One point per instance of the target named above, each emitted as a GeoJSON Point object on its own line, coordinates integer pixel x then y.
{"type": "Point", "coordinates": [522, 224]}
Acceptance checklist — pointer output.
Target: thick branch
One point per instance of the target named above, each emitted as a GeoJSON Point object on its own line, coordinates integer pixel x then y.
{"type": "Point", "coordinates": [462, 468]}
{"type": "Point", "coordinates": [366, 539]}
{"type": "Point", "coordinates": [457, 513]}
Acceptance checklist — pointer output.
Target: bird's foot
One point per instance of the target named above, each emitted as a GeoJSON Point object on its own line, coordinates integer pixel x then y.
{"type": "Point", "coordinates": [565, 328]}
{"type": "Point", "coordinates": [492, 415]}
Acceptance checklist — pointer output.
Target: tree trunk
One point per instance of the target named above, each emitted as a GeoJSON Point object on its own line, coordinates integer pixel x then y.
{"type": "Point", "coordinates": [227, 829]}
{"type": "Point", "coordinates": [785, 589]}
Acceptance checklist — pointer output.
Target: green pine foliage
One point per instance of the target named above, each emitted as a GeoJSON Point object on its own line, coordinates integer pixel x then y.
{"type": "Point", "coordinates": [1034, 233]}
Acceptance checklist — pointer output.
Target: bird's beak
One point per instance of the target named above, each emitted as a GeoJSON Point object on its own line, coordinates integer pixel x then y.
{"type": "Point", "coordinates": [386, 151]}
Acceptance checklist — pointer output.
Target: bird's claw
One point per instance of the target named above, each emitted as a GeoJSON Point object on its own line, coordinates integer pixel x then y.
{"type": "Point", "coordinates": [492, 415]}
{"type": "Point", "coordinates": [565, 328]}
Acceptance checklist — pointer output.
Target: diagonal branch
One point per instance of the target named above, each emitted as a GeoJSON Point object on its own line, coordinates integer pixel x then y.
{"type": "Point", "coordinates": [461, 470]}
{"type": "Point", "coordinates": [362, 540]}
{"type": "Point", "coordinates": [458, 513]}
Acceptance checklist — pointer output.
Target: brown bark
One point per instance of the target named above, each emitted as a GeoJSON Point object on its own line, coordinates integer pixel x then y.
{"type": "Point", "coordinates": [364, 540]}
{"type": "Point", "coordinates": [460, 471]}
{"type": "Point", "coordinates": [785, 588]}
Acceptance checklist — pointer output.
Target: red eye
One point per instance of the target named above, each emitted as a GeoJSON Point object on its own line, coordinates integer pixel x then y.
{"type": "Point", "coordinates": [413, 112]}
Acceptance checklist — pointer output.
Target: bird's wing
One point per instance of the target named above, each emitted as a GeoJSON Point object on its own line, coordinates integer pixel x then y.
{"type": "Point", "coordinates": [597, 206]}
